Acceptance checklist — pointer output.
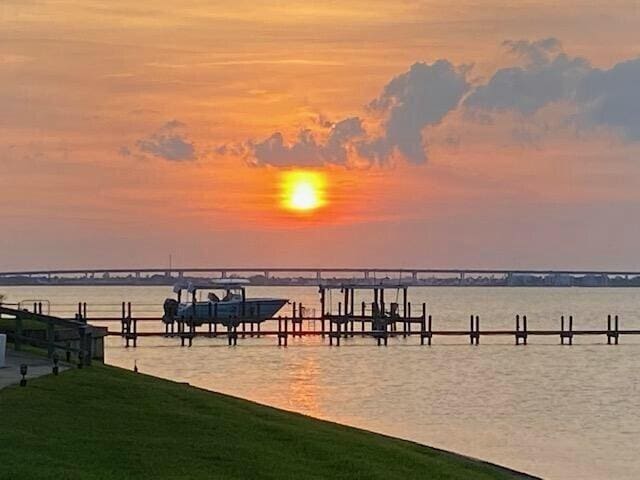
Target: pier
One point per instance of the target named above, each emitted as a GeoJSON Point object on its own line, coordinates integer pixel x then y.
{"type": "Point", "coordinates": [343, 328]}
{"type": "Point", "coordinates": [377, 319]}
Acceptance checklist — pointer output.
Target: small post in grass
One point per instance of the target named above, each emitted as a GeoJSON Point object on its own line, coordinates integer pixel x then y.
{"type": "Point", "coordinates": [23, 372]}
{"type": "Point", "coordinates": [56, 359]}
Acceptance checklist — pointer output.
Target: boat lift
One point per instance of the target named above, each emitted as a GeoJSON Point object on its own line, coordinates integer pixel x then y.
{"type": "Point", "coordinates": [377, 307]}
{"type": "Point", "coordinates": [382, 316]}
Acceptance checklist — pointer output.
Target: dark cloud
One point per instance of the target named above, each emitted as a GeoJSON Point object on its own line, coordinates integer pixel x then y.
{"type": "Point", "coordinates": [414, 100]}
{"type": "Point", "coordinates": [409, 103]}
{"type": "Point", "coordinates": [611, 98]}
{"type": "Point", "coordinates": [341, 134]}
{"type": "Point", "coordinates": [602, 98]}
{"type": "Point", "coordinates": [306, 150]}
{"type": "Point", "coordinates": [548, 76]}
{"type": "Point", "coordinates": [537, 52]}
{"type": "Point", "coordinates": [167, 143]}
{"type": "Point", "coordinates": [425, 94]}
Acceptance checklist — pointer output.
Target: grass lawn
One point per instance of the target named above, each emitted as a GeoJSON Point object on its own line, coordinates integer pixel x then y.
{"type": "Point", "coordinates": [9, 325]}
{"type": "Point", "coordinates": [106, 423]}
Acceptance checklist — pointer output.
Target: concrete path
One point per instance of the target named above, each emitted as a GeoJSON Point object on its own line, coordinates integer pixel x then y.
{"type": "Point", "coordinates": [36, 367]}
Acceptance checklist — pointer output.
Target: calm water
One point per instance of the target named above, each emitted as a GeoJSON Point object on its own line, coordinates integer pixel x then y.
{"type": "Point", "coordinates": [558, 412]}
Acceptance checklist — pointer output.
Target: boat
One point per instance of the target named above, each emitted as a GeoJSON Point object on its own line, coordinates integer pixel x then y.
{"type": "Point", "coordinates": [225, 300]}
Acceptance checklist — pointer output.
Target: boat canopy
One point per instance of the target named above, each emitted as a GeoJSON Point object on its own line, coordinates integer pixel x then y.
{"type": "Point", "coordinates": [220, 284]}
{"type": "Point", "coordinates": [359, 286]}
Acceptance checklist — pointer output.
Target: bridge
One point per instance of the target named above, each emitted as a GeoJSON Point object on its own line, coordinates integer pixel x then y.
{"type": "Point", "coordinates": [306, 276]}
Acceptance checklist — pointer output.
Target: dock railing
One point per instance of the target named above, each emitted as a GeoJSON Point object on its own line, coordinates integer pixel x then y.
{"type": "Point", "coordinates": [52, 334]}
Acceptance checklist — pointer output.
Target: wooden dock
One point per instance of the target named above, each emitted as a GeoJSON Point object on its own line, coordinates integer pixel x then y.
{"type": "Point", "coordinates": [376, 320]}
{"type": "Point", "coordinates": [337, 328]}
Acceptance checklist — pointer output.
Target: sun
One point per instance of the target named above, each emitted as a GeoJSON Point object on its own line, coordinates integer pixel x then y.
{"type": "Point", "coordinates": [303, 191]}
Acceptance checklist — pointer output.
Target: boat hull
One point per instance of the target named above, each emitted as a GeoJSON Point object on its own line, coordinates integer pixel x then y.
{"type": "Point", "coordinates": [256, 310]}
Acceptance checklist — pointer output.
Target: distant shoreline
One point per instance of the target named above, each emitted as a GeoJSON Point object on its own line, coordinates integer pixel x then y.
{"type": "Point", "coordinates": [389, 284]}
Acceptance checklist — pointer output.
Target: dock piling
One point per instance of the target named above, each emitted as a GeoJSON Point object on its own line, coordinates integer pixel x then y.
{"type": "Point", "coordinates": [477, 332]}
{"type": "Point", "coordinates": [232, 332]}
{"type": "Point", "coordinates": [521, 334]}
{"type": "Point", "coordinates": [566, 334]}
{"type": "Point", "coordinates": [612, 333]}
{"type": "Point", "coordinates": [474, 330]}
{"type": "Point", "coordinates": [286, 332]}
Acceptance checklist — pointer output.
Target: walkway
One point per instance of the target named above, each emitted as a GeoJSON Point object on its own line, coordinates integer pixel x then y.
{"type": "Point", "coordinates": [37, 366]}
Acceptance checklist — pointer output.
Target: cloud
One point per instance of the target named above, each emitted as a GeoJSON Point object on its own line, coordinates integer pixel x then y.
{"type": "Point", "coordinates": [167, 143]}
{"type": "Point", "coordinates": [611, 98]}
{"type": "Point", "coordinates": [411, 101]}
{"type": "Point", "coordinates": [341, 134]}
{"type": "Point", "coordinates": [549, 76]}
{"type": "Point", "coordinates": [424, 96]}
{"type": "Point", "coordinates": [536, 52]}
{"type": "Point", "coordinates": [600, 98]}
{"type": "Point", "coordinates": [306, 150]}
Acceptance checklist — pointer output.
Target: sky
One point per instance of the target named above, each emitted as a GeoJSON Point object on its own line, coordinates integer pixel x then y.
{"type": "Point", "coordinates": [473, 134]}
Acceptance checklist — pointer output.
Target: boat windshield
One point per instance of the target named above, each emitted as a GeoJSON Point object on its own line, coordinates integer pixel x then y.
{"type": "Point", "coordinates": [229, 296]}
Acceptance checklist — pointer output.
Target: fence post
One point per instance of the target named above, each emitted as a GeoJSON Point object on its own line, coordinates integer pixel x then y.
{"type": "Point", "coordinates": [88, 338]}
{"type": "Point", "coordinates": [17, 338]}
{"type": "Point", "coordinates": [82, 330]}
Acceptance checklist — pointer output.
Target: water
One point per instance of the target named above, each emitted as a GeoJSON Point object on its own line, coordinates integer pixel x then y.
{"type": "Point", "coordinates": [557, 412]}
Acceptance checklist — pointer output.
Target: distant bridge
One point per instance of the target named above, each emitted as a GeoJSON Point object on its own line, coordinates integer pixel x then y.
{"type": "Point", "coordinates": [291, 276]}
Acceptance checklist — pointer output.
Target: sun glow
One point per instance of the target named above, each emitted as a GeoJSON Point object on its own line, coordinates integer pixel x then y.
{"type": "Point", "coordinates": [303, 191]}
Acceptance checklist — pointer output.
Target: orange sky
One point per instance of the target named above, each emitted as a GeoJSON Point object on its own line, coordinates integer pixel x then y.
{"type": "Point", "coordinates": [85, 84]}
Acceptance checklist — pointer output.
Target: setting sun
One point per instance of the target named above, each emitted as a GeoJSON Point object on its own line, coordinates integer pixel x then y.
{"type": "Point", "coordinates": [303, 191]}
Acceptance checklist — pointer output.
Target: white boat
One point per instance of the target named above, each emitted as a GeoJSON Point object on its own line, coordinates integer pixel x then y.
{"type": "Point", "coordinates": [224, 300]}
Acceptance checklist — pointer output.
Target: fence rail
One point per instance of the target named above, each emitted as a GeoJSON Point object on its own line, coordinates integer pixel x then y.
{"type": "Point", "coordinates": [51, 333]}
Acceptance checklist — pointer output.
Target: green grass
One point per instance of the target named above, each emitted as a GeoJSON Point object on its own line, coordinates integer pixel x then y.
{"type": "Point", "coordinates": [9, 325]}
{"type": "Point", "coordinates": [106, 423]}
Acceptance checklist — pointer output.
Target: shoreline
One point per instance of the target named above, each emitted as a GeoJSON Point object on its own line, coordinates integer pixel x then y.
{"type": "Point", "coordinates": [116, 413]}
{"type": "Point", "coordinates": [506, 469]}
